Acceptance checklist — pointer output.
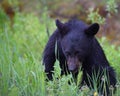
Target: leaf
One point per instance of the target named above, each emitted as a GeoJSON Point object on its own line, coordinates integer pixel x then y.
{"type": "Point", "coordinates": [13, 91]}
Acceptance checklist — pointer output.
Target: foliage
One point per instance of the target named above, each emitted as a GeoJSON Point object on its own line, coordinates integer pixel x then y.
{"type": "Point", "coordinates": [21, 70]}
{"type": "Point", "coordinates": [3, 18]}
{"type": "Point", "coordinates": [111, 6]}
{"type": "Point", "coordinates": [94, 16]}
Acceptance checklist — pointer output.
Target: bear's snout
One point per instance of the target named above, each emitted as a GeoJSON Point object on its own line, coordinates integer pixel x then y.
{"type": "Point", "coordinates": [73, 64]}
{"type": "Point", "coordinates": [72, 67]}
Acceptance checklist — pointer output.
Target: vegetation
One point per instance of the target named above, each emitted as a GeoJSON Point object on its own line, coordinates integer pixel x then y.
{"type": "Point", "coordinates": [21, 69]}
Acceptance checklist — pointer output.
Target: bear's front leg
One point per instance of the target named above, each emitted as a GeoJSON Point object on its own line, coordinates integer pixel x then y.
{"type": "Point", "coordinates": [48, 62]}
{"type": "Point", "coordinates": [49, 70]}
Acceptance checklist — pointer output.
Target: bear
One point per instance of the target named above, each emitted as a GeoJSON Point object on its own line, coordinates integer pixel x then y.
{"type": "Point", "coordinates": [77, 47]}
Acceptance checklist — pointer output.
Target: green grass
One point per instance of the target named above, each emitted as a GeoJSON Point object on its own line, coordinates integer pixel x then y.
{"type": "Point", "coordinates": [21, 70]}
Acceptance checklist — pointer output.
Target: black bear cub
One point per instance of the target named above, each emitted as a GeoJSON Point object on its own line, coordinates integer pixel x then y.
{"type": "Point", "coordinates": [77, 47]}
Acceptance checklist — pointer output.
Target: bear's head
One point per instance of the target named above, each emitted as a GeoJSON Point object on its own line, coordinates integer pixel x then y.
{"type": "Point", "coordinates": [76, 41]}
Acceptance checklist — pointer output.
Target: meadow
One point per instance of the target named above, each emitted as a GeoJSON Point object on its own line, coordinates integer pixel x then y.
{"type": "Point", "coordinates": [21, 69]}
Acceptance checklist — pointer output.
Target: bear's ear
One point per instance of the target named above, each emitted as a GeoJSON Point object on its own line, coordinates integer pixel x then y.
{"type": "Point", "coordinates": [92, 29]}
{"type": "Point", "coordinates": [61, 27]}
{"type": "Point", "coordinates": [59, 24]}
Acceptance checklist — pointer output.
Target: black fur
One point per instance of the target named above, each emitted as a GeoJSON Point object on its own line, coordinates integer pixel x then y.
{"type": "Point", "coordinates": [77, 45]}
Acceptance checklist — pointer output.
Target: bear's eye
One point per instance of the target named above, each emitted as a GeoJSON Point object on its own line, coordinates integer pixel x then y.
{"type": "Point", "coordinates": [67, 53]}
{"type": "Point", "coordinates": [77, 52]}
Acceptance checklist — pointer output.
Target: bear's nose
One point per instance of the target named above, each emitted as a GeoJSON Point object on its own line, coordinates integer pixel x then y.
{"type": "Point", "coordinates": [72, 68]}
